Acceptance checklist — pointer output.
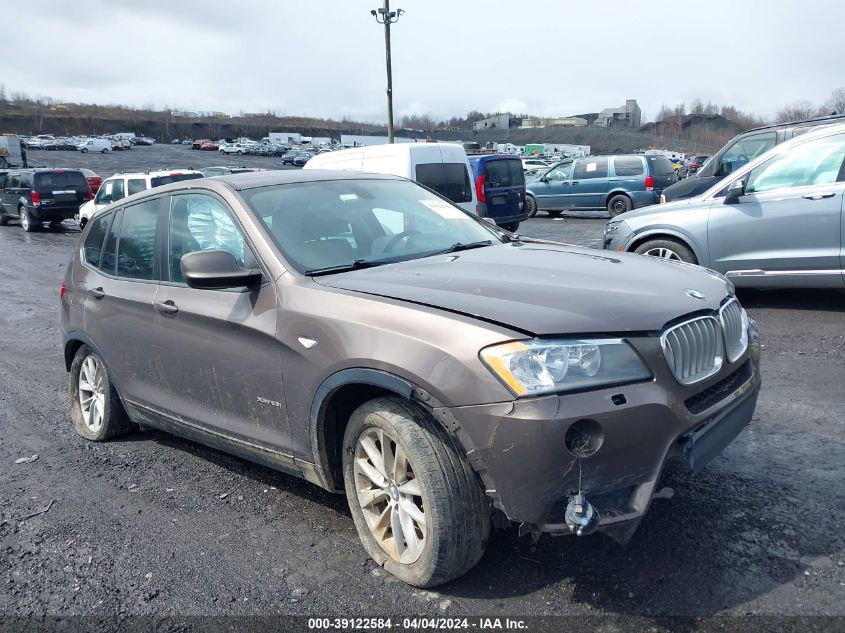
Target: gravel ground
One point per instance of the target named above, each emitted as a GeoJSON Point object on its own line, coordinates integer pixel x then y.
{"type": "Point", "coordinates": [153, 525]}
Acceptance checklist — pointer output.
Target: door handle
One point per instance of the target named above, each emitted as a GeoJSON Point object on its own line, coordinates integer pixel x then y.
{"type": "Point", "coordinates": [818, 196]}
{"type": "Point", "coordinates": [574, 182]}
{"type": "Point", "coordinates": [97, 293]}
{"type": "Point", "coordinates": [165, 307]}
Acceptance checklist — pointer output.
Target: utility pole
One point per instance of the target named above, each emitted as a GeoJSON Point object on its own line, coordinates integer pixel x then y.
{"type": "Point", "coordinates": [384, 15]}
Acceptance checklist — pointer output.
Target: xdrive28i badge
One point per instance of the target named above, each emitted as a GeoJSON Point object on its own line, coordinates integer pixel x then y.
{"type": "Point", "coordinates": [695, 294]}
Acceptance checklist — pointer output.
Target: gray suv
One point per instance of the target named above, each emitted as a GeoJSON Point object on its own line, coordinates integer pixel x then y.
{"type": "Point", "coordinates": [776, 222]}
{"type": "Point", "coordinates": [365, 334]}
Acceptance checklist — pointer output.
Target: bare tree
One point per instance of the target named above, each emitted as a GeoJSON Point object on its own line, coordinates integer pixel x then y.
{"type": "Point", "coordinates": [836, 102]}
{"type": "Point", "coordinates": [796, 111]}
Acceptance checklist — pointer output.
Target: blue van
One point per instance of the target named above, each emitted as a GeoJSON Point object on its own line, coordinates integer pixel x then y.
{"type": "Point", "coordinates": [500, 188]}
{"type": "Point", "coordinates": [615, 183]}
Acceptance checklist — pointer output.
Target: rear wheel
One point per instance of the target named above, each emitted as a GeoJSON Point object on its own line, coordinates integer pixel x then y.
{"type": "Point", "coordinates": [105, 150]}
{"type": "Point", "coordinates": [84, 150]}
{"type": "Point", "coordinates": [619, 204]}
{"type": "Point", "coordinates": [28, 224]}
{"type": "Point", "coordinates": [4, 219]}
{"type": "Point", "coordinates": [95, 407]}
{"type": "Point", "coordinates": [418, 508]}
{"type": "Point", "coordinates": [511, 226]}
{"type": "Point", "coordinates": [667, 249]}
{"type": "Point", "coordinates": [531, 206]}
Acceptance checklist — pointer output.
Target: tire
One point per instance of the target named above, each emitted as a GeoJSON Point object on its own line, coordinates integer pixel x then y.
{"type": "Point", "coordinates": [4, 219]}
{"type": "Point", "coordinates": [554, 213]}
{"type": "Point", "coordinates": [105, 150]}
{"type": "Point", "coordinates": [240, 153]}
{"type": "Point", "coordinates": [28, 224]}
{"type": "Point", "coordinates": [84, 150]}
{"type": "Point", "coordinates": [531, 206]}
{"type": "Point", "coordinates": [667, 249]}
{"type": "Point", "coordinates": [105, 417]}
{"type": "Point", "coordinates": [456, 515]}
{"type": "Point", "coordinates": [82, 223]}
{"type": "Point", "coordinates": [511, 226]}
{"type": "Point", "coordinates": [619, 204]}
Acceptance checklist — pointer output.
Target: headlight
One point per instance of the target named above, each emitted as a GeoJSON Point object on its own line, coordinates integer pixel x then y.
{"type": "Point", "coordinates": [544, 366]}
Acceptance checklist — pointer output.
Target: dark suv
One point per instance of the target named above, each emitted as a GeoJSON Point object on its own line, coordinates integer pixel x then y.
{"type": "Point", "coordinates": [366, 334]}
{"type": "Point", "coordinates": [35, 196]}
{"type": "Point", "coordinates": [738, 151]}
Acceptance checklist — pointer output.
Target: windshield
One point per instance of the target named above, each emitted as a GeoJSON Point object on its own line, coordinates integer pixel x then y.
{"type": "Point", "coordinates": [337, 223]}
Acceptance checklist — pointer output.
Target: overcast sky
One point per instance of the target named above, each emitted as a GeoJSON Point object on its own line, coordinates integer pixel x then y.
{"type": "Point", "coordinates": [326, 57]}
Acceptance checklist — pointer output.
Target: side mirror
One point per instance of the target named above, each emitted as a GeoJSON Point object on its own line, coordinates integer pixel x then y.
{"type": "Point", "coordinates": [216, 270]}
{"type": "Point", "coordinates": [735, 191]}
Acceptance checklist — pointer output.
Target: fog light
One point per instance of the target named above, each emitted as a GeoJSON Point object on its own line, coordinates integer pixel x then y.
{"type": "Point", "coordinates": [584, 438]}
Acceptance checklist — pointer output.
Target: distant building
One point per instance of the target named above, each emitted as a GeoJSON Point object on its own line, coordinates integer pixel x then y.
{"type": "Point", "coordinates": [498, 122]}
{"type": "Point", "coordinates": [628, 115]}
{"type": "Point", "coordinates": [572, 121]}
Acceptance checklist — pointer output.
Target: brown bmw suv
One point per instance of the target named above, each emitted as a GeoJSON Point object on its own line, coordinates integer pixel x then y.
{"type": "Point", "coordinates": [364, 333]}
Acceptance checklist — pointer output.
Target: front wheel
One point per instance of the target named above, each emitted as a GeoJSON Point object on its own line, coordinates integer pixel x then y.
{"type": "Point", "coordinates": [95, 407]}
{"type": "Point", "coordinates": [417, 506]}
{"type": "Point", "coordinates": [667, 249]}
{"type": "Point", "coordinates": [531, 206]}
{"type": "Point", "coordinates": [84, 150]}
{"type": "Point", "coordinates": [619, 204]}
{"type": "Point", "coordinates": [105, 151]}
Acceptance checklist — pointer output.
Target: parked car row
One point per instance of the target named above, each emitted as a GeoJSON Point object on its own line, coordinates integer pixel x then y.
{"type": "Point", "coordinates": [102, 144]}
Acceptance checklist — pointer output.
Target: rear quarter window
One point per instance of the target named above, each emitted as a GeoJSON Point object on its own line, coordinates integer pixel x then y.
{"type": "Point", "coordinates": [54, 180]}
{"type": "Point", "coordinates": [628, 166]}
{"type": "Point", "coordinates": [450, 180]}
{"type": "Point", "coordinates": [93, 248]}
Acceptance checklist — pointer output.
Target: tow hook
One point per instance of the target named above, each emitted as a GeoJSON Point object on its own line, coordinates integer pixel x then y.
{"type": "Point", "coordinates": [581, 517]}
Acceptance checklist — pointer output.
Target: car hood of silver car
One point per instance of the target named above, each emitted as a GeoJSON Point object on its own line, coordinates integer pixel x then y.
{"type": "Point", "coordinates": [546, 288]}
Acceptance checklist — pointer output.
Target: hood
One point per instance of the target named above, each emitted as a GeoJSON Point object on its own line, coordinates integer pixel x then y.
{"type": "Point", "coordinates": [543, 289]}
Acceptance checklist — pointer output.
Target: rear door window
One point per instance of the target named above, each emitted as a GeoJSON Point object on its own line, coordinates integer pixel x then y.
{"type": "Point", "coordinates": [135, 185]}
{"type": "Point", "coordinates": [93, 249]}
{"type": "Point", "coordinates": [450, 180]}
{"type": "Point", "coordinates": [137, 243]}
{"type": "Point", "coordinates": [628, 166]}
{"type": "Point", "coordinates": [588, 168]}
{"type": "Point", "coordinates": [503, 173]}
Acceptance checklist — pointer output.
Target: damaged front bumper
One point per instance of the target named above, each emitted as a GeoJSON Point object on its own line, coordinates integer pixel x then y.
{"type": "Point", "coordinates": [519, 449]}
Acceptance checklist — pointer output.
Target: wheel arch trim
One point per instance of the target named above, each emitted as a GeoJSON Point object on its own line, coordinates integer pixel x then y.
{"type": "Point", "coordinates": [401, 387]}
{"type": "Point", "coordinates": [672, 234]}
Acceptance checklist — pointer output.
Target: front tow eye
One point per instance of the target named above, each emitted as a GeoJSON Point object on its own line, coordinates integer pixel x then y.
{"type": "Point", "coordinates": [581, 517]}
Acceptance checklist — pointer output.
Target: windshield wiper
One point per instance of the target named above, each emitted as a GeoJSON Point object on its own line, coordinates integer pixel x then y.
{"type": "Point", "coordinates": [356, 264]}
{"type": "Point", "coordinates": [459, 246]}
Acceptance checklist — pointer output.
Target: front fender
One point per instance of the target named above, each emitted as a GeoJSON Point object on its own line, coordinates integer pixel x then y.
{"type": "Point", "coordinates": [699, 250]}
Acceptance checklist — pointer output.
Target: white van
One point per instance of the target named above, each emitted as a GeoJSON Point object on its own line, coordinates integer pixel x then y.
{"type": "Point", "coordinates": [95, 145]}
{"type": "Point", "coordinates": [442, 167]}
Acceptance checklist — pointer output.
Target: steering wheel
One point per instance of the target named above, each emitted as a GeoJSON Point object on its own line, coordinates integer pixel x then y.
{"type": "Point", "coordinates": [396, 239]}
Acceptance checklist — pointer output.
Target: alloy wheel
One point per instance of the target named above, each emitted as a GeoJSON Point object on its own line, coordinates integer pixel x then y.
{"type": "Point", "coordinates": [663, 253]}
{"type": "Point", "coordinates": [92, 393]}
{"type": "Point", "coordinates": [389, 495]}
{"type": "Point", "coordinates": [23, 214]}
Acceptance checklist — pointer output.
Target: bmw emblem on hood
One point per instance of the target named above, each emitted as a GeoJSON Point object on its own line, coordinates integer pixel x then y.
{"type": "Point", "coordinates": [695, 294]}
